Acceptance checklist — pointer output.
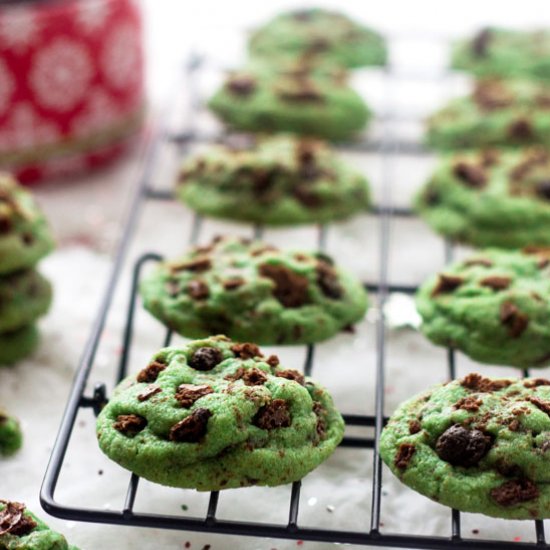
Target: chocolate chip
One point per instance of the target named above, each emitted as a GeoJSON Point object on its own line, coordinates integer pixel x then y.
{"type": "Point", "coordinates": [320, 412]}
{"type": "Point", "coordinates": [241, 85]}
{"type": "Point", "coordinates": [521, 129]}
{"type": "Point", "coordinates": [13, 520]}
{"type": "Point", "coordinates": [328, 282]}
{"type": "Point", "coordinates": [197, 265]}
{"type": "Point", "coordinates": [470, 174]}
{"type": "Point", "coordinates": [496, 282]}
{"type": "Point", "coordinates": [232, 284]}
{"type": "Point", "coordinates": [272, 361]}
{"type": "Point", "coordinates": [198, 290]}
{"type": "Point", "coordinates": [187, 394]}
{"type": "Point", "coordinates": [461, 447]}
{"type": "Point", "coordinates": [513, 319]}
{"type": "Point", "coordinates": [291, 374]}
{"type": "Point", "coordinates": [300, 90]}
{"type": "Point", "coordinates": [404, 455]}
{"type": "Point", "coordinates": [414, 427]}
{"type": "Point", "coordinates": [514, 425]}
{"type": "Point", "coordinates": [544, 406]}
{"type": "Point", "coordinates": [514, 492]}
{"type": "Point", "coordinates": [469, 403]}
{"type": "Point", "coordinates": [542, 189]}
{"type": "Point", "coordinates": [148, 392]}
{"type": "Point", "coordinates": [446, 284]}
{"type": "Point", "coordinates": [431, 197]}
{"type": "Point", "coordinates": [273, 415]}
{"type": "Point", "coordinates": [478, 383]}
{"type": "Point", "coordinates": [291, 289]}
{"type": "Point", "coordinates": [492, 94]}
{"type": "Point", "coordinates": [27, 238]}
{"type": "Point", "coordinates": [250, 377]}
{"type": "Point", "coordinates": [318, 44]}
{"type": "Point", "coordinates": [192, 428]}
{"type": "Point", "coordinates": [489, 157]}
{"type": "Point", "coordinates": [205, 358]}
{"type": "Point", "coordinates": [246, 350]}
{"type": "Point", "coordinates": [481, 41]}
{"type": "Point", "coordinates": [264, 180]}
{"type": "Point", "coordinates": [307, 197]}
{"type": "Point", "coordinates": [536, 382]}
{"type": "Point", "coordinates": [5, 225]}
{"type": "Point", "coordinates": [129, 424]}
{"type": "Point", "coordinates": [150, 372]}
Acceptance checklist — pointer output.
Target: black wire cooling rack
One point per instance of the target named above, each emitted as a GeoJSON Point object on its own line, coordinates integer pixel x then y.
{"type": "Point", "coordinates": [374, 535]}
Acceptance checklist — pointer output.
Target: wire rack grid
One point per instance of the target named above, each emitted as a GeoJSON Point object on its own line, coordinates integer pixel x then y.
{"type": "Point", "coordinates": [372, 534]}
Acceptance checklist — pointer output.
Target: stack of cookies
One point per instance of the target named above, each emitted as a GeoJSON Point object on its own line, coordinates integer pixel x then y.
{"type": "Point", "coordinates": [25, 295]}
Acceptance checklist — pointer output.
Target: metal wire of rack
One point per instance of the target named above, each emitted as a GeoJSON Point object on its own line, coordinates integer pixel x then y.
{"type": "Point", "coordinates": [388, 146]}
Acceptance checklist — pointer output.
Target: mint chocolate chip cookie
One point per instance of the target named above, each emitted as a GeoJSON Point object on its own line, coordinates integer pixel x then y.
{"type": "Point", "coordinates": [24, 233]}
{"type": "Point", "coordinates": [279, 180]}
{"type": "Point", "coordinates": [18, 344]}
{"type": "Point", "coordinates": [11, 437]}
{"type": "Point", "coordinates": [494, 306]}
{"type": "Point", "coordinates": [323, 35]}
{"type": "Point", "coordinates": [214, 415]}
{"type": "Point", "coordinates": [306, 104]}
{"type": "Point", "coordinates": [22, 530]}
{"type": "Point", "coordinates": [477, 444]}
{"type": "Point", "coordinates": [253, 291]}
{"type": "Point", "coordinates": [505, 53]}
{"type": "Point", "coordinates": [491, 198]}
{"type": "Point", "coordinates": [498, 113]}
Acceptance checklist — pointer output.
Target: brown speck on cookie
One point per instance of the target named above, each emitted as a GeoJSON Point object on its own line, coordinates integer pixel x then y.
{"type": "Point", "coordinates": [172, 288]}
{"type": "Point", "coordinates": [521, 129]}
{"type": "Point", "coordinates": [470, 174]}
{"type": "Point", "coordinates": [484, 262]}
{"type": "Point", "coordinates": [250, 377]}
{"type": "Point", "coordinates": [198, 290]}
{"type": "Point", "coordinates": [306, 196]}
{"type": "Point", "coordinates": [431, 197]}
{"type": "Point", "coordinates": [263, 249]}
{"type": "Point", "coordinates": [542, 189]}
{"type": "Point", "coordinates": [462, 447]}
{"type": "Point", "coordinates": [533, 157]}
{"type": "Point", "coordinates": [513, 319]}
{"type": "Point", "coordinates": [28, 238]}
{"type": "Point", "coordinates": [241, 85]}
{"type": "Point", "coordinates": [187, 394]}
{"type": "Point", "coordinates": [536, 382]}
{"type": "Point", "coordinates": [151, 371]}
{"type": "Point", "coordinates": [480, 42]}
{"type": "Point", "coordinates": [514, 492]}
{"type": "Point", "coordinates": [291, 289]}
{"type": "Point", "coordinates": [469, 403]}
{"type": "Point", "coordinates": [404, 455]}
{"type": "Point", "coordinates": [197, 265]}
{"type": "Point", "coordinates": [192, 428]}
{"type": "Point", "coordinates": [13, 520]}
{"type": "Point", "coordinates": [272, 361]}
{"type": "Point", "coordinates": [489, 157]}
{"type": "Point", "coordinates": [544, 406]}
{"type": "Point", "coordinates": [490, 95]}
{"type": "Point", "coordinates": [273, 415]}
{"type": "Point", "coordinates": [246, 350]}
{"type": "Point", "coordinates": [291, 374]}
{"type": "Point", "coordinates": [300, 90]}
{"type": "Point", "coordinates": [232, 284]}
{"type": "Point", "coordinates": [148, 392]}
{"type": "Point", "coordinates": [5, 225]}
{"type": "Point", "coordinates": [129, 424]}
{"type": "Point", "coordinates": [205, 358]}
{"type": "Point", "coordinates": [446, 284]}
{"type": "Point", "coordinates": [496, 282]}
{"type": "Point", "coordinates": [414, 426]}
{"type": "Point", "coordinates": [478, 383]}
{"type": "Point", "coordinates": [514, 425]}
{"type": "Point", "coordinates": [328, 282]}
{"type": "Point", "coordinates": [320, 412]}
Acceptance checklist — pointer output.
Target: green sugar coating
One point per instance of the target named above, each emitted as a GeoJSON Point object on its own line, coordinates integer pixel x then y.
{"type": "Point", "coordinates": [491, 198]}
{"type": "Point", "coordinates": [24, 296]}
{"type": "Point", "coordinates": [17, 344]}
{"type": "Point", "coordinates": [325, 36]}
{"type": "Point", "coordinates": [498, 113]}
{"type": "Point", "coordinates": [253, 292]}
{"type": "Point", "coordinates": [25, 236]}
{"type": "Point", "coordinates": [20, 529]}
{"type": "Point", "coordinates": [309, 104]}
{"type": "Point", "coordinates": [11, 437]}
{"type": "Point", "coordinates": [494, 306]}
{"type": "Point", "coordinates": [506, 53]}
{"type": "Point", "coordinates": [477, 445]}
{"type": "Point", "coordinates": [217, 415]}
{"type": "Point", "coordinates": [280, 180]}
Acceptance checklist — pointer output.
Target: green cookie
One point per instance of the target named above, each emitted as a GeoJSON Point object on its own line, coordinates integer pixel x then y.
{"type": "Point", "coordinates": [22, 530]}
{"type": "Point", "coordinates": [217, 415]}
{"type": "Point", "coordinates": [491, 198]}
{"type": "Point", "coordinates": [498, 113]}
{"type": "Point", "coordinates": [477, 445]}
{"type": "Point", "coordinates": [506, 53]}
{"type": "Point", "coordinates": [281, 180]}
{"type": "Point", "coordinates": [18, 344]}
{"type": "Point", "coordinates": [24, 296]}
{"type": "Point", "coordinates": [253, 291]}
{"type": "Point", "coordinates": [11, 437]}
{"type": "Point", "coordinates": [326, 36]}
{"type": "Point", "coordinates": [25, 236]}
{"type": "Point", "coordinates": [308, 104]}
{"type": "Point", "coordinates": [494, 306]}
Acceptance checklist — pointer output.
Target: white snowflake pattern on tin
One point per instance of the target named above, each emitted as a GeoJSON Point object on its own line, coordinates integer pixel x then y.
{"type": "Point", "coordinates": [121, 59]}
{"type": "Point", "coordinates": [26, 129]}
{"type": "Point", "coordinates": [92, 14]}
{"type": "Point", "coordinates": [19, 28]}
{"type": "Point", "coordinates": [61, 73]}
{"type": "Point", "coordinates": [7, 86]}
{"type": "Point", "coordinates": [99, 113]}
